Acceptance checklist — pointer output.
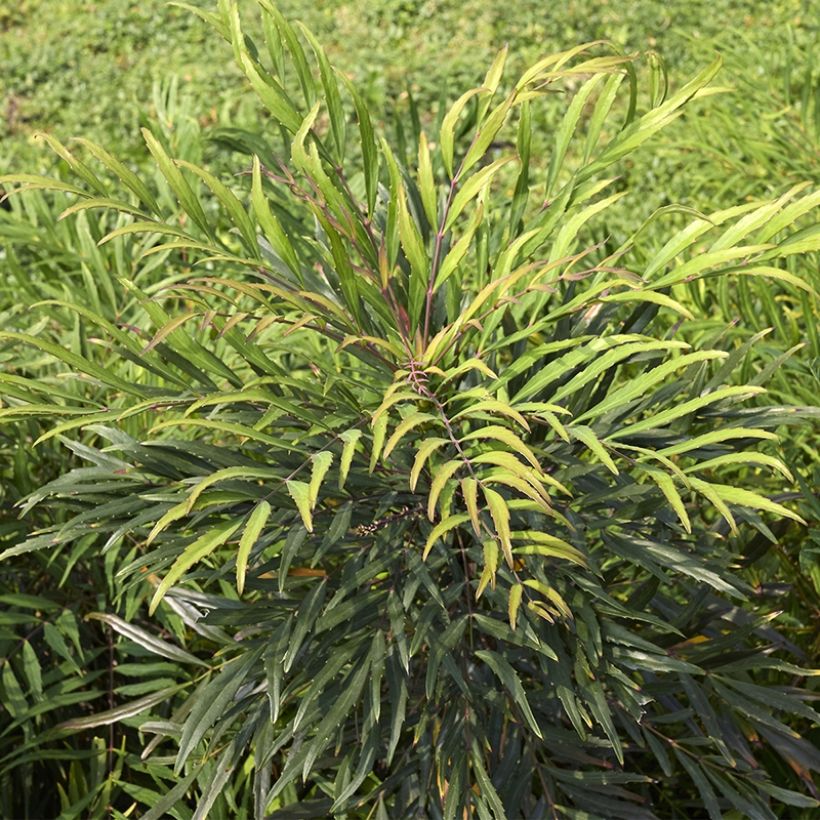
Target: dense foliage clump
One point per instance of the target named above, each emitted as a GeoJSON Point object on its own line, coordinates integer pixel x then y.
{"type": "Point", "coordinates": [407, 478]}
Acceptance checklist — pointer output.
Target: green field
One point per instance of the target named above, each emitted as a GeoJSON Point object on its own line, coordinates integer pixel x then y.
{"type": "Point", "coordinates": [372, 451]}
{"type": "Point", "coordinates": [88, 68]}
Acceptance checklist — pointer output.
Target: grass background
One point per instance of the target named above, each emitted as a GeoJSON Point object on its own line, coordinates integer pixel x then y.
{"type": "Point", "coordinates": [82, 67]}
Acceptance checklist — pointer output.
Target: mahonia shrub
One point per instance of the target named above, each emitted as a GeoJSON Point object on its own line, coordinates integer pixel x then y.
{"type": "Point", "coordinates": [426, 496]}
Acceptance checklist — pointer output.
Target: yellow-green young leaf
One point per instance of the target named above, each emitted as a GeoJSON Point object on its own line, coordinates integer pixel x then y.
{"type": "Point", "coordinates": [459, 250]}
{"type": "Point", "coordinates": [243, 473]}
{"type": "Point", "coordinates": [32, 670]}
{"type": "Point", "coordinates": [538, 479]}
{"type": "Point", "coordinates": [370, 156]}
{"type": "Point", "coordinates": [174, 514]}
{"type": "Point", "coordinates": [640, 385]}
{"type": "Point", "coordinates": [569, 232]}
{"type": "Point", "coordinates": [229, 202]}
{"type": "Point", "coordinates": [436, 342]}
{"type": "Point", "coordinates": [526, 489]}
{"type": "Point", "coordinates": [192, 554]}
{"type": "Point", "coordinates": [126, 175]}
{"type": "Point", "coordinates": [539, 610]}
{"type": "Point", "coordinates": [667, 487]}
{"type": "Point", "coordinates": [321, 464]}
{"type": "Point", "coordinates": [588, 299]}
{"type": "Point", "coordinates": [587, 436]}
{"type": "Point", "coordinates": [350, 439]}
{"type": "Point", "coordinates": [41, 409]}
{"type": "Point", "coordinates": [768, 272]}
{"type": "Point", "coordinates": [190, 244]}
{"type": "Point", "coordinates": [582, 352]}
{"type": "Point", "coordinates": [566, 553]}
{"type": "Point", "coordinates": [374, 341]}
{"type": "Point", "coordinates": [167, 330]}
{"type": "Point", "coordinates": [300, 493]}
{"type": "Point", "coordinates": [650, 296]}
{"type": "Point", "coordinates": [507, 437]}
{"type": "Point", "coordinates": [226, 427]}
{"type": "Point", "coordinates": [409, 235]}
{"type": "Point", "coordinates": [379, 432]}
{"type": "Point", "coordinates": [148, 226]}
{"type": "Point", "coordinates": [493, 406]}
{"type": "Point", "coordinates": [416, 253]}
{"type": "Point", "coordinates": [177, 182]}
{"type": "Point", "coordinates": [389, 248]}
{"type": "Point", "coordinates": [501, 518]}
{"type": "Point", "coordinates": [708, 491]}
{"type": "Point", "coordinates": [715, 437]}
{"type": "Point", "coordinates": [508, 461]}
{"type": "Point", "coordinates": [566, 130]}
{"type": "Point", "coordinates": [440, 529]}
{"type": "Point", "coordinates": [287, 39]}
{"type": "Point", "coordinates": [553, 62]}
{"type": "Point", "coordinates": [427, 186]}
{"type": "Point", "coordinates": [478, 393]}
{"type": "Point", "coordinates": [403, 427]}
{"type": "Point", "coordinates": [746, 498]}
{"type": "Point", "coordinates": [542, 538]}
{"type": "Point", "coordinates": [74, 423]}
{"type": "Point", "coordinates": [487, 130]}
{"type": "Point", "coordinates": [236, 397]}
{"type": "Point", "coordinates": [469, 489]}
{"type": "Point", "coordinates": [541, 407]}
{"type": "Point", "coordinates": [102, 202]}
{"type": "Point", "coordinates": [551, 595]}
{"type": "Point", "coordinates": [331, 88]}
{"type": "Point", "coordinates": [268, 90]}
{"type": "Point", "coordinates": [514, 603]}
{"type": "Point", "coordinates": [642, 129]}
{"type": "Point", "coordinates": [657, 78]}
{"type": "Point", "coordinates": [36, 182]}
{"type": "Point", "coordinates": [647, 453]}
{"type": "Point", "coordinates": [474, 186]}
{"type": "Point", "coordinates": [256, 523]}
{"type": "Point", "coordinates": [448, 125]}
{"type": "Point", "coordinates": [685, 409]}
{"type": "Point", "coordinates": [393, 397]}
{"type": "Point", "coordinates": [468, 364]}
{"type": "Point", "coordinates": [552, 420]}
{"type": "Point", "coordinates": [440, 477]}
{"type": "Point", "coordinates": [789, 214]}
{"type": "Point", "coordinates": [426, 448]}
{"type": "Point", "coordinates": [490, 567]}
{"type": "Point", "coordinates": [704, 261]}
{"type": "Point", "coordinates": [689, 235]}
{"type": "Point", "coordinates": [492, 80]}
{"type": "Point", "coordinates": [742, 459]}
{"type": "Point", "coordinates": [269, 223]}
{"type": "Point", "coordinates": [305, 159]}
{"type": "Point", "coordinates": [608, 361]}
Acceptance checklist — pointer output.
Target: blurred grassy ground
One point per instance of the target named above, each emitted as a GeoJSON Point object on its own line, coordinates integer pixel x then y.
{"type": "Point", "coordinates": [88, 66]}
